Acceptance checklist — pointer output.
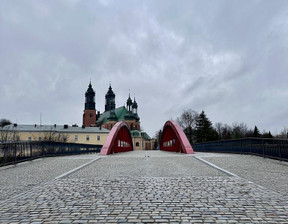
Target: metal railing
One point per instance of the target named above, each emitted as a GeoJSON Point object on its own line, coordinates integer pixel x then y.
{"type": "Point", "coordinates": [266, 147]}
{"type": "Point", "coordinates": [14, 152]}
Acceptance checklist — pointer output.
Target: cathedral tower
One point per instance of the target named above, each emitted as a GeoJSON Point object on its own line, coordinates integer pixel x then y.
{"type": "Point", "coordinates": [89, 116]}
{"type": "Point", "coordinates": [110, 100]}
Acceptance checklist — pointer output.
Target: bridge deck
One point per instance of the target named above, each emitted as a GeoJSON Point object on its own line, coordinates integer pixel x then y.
{"type": "Point", "coordinates": [145, 187]}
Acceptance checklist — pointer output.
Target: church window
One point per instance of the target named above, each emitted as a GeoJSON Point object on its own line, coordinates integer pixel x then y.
{"type": "Point", "coordinates": [76, 138]}
{"type": "Point", "coordinates": [87, 138]}
{"type": "Point", "coordinates": [137, 144]}
{"type": "Point", "coordinates": [98, 138]}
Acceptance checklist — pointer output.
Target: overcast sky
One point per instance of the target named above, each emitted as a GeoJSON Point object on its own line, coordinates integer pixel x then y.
{"type": "Point", "coordinates": [228, 58]}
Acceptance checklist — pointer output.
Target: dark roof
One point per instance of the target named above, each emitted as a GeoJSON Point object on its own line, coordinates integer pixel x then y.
{"type": "Point", "coordinates": [112, 116]}
{"type": "Point", "coordinates": [135, 133]}
{"type": "Point", "coordinates": [58, 128]}
{"type": "Point", "coordinates": [120, 113]}
{"type": "Point", "coordinates": [134, 105]}
{"type": "Point", "coordinates": [129, 100]}
{"type": "Point", "coordinates": [145, 135]}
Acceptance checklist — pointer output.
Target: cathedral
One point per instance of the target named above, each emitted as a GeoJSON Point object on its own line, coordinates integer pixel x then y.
{"type": "Point", "coordinates": [111, 115]}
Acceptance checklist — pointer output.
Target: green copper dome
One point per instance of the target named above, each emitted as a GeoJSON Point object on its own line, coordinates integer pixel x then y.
{"type": "Point", "coordinates": [134, 105]}
{"type": "Point", "coordinates": [129, 101]}
{"type": "Point", "coordinates": [112, 116]}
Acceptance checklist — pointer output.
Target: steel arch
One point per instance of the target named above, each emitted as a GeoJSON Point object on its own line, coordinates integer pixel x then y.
{"type": "Point", "coordinates": [174, 139]}
{"type": "Point", "coordinates": [118, 140]}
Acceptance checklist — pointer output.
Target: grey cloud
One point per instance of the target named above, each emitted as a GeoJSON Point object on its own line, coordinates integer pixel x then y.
{"type": "Point", "coordinates": [226, 57]}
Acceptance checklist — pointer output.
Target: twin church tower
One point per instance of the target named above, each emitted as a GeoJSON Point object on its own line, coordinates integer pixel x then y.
{"type": "Point", "coordinates": [111, 115]}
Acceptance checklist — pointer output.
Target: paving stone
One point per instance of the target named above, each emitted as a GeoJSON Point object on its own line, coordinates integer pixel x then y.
{"type": "Point", "coordinates": [155, 197]}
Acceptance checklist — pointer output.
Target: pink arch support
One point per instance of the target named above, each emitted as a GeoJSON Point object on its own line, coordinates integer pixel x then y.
{"type": "Point", "coordinates": [174, 139]}
{"type": "Point", "coordinates": [118, 140]}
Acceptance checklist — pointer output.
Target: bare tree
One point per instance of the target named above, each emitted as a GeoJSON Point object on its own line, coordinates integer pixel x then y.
{"type": "Point", "coordinates": [219, 128]}
{"type": "Point", "coordinates": [53, 136]}
{"type": "Point", "coordinates": [224, 130]}
{"type": "Point", "coordinates": [239, 130]}
{"type": "Point", "coordinates": [8, 134]}
{"type": "Point", "coordinates": [158, 136]}
{"type": "Point", "coordinates": [283, 134]}
{"type": "Point", "coordinates": [187, 121]}
{"type": "Point", "coordinates": [50, 136]}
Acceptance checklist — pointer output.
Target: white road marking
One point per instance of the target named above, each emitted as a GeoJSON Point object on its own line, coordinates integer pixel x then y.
{"type": "Point", "coordinates": [75, 169]}
{"type": "Point", "coordinates": [216, 167]}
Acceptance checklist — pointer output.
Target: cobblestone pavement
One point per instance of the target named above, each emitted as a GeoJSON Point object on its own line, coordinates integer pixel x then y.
{"type": "Point", "coordinates": [270, 173]}
{"type": "Point", "coordinates": [99, 194]}
{"type": "Point", "coordinates": [135, 164]}
{"type": "Point", "coordinates": [24, 176]}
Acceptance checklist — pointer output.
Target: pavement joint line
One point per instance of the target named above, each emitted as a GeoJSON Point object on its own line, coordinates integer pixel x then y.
{"type": "Point", "coordinates": [75, 169]}
{"type": "Point", "coordinates": [43, 184]}
{"type": "Point", "coordinates": [216, 167]}
{"type": "Point", "coordinates": [234, 175]}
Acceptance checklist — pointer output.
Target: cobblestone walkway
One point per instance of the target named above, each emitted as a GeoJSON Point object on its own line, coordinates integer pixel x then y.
{"type": "Point", "coordinates": [155, 197]}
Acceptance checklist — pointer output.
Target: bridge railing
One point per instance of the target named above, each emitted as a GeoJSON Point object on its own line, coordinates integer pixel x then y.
{"type": "Point", "coordinates": [266, 147]}
{"type": "Point", "coordinates": [14, 152]}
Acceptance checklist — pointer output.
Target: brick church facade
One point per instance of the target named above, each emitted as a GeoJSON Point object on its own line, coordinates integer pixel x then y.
{"type": "Point", "coordinates": [111, 115]}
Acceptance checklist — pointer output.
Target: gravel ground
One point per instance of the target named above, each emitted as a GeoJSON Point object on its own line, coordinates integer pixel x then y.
{"type": "Point", "coordinates": [269, 173]}
{"type": "Point", "coordinates": [24, 176]}
{"type": "Point", "coordinates": [135, 164]}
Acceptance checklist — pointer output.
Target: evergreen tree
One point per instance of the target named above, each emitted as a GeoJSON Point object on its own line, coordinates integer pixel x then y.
{"type": "Point", "coordinates": [4, 122]}
{"type": "Point", "coordinates": [204, 129]}
{"type": "Point", "coordinates": [256, 132]}
{"type": "Point", "coordinates": [267, 135]}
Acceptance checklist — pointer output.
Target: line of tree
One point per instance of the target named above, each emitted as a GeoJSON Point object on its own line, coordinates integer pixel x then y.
{"type": "Point", "coordinates": [198, 128]}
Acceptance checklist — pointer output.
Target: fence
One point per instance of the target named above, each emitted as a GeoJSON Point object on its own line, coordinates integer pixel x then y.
{"type": "Point", "coordinates": [11, 153]}
{"type": "Point", "coordinates": [272, 148]}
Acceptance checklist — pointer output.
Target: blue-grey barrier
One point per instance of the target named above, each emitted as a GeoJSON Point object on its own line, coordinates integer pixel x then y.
{"type": "Point", "coordinates": [266, 147]}
{"type": "Point", "coordinates": [14, 152]}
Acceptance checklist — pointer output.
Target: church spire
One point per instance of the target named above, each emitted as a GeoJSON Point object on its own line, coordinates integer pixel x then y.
{"type": "Point", "coordinates": [110, 99]}
{"type": "Point", "coordinates": [89, 115]}
{"type": "Point", "coordinates": [134, 106]}
{"type": "Point", "coordinates": [90, 98]}
{"type": "Point", "coordinates": [129, 103]}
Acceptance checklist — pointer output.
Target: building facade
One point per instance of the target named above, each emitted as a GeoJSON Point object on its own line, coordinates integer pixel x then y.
{"type": "Point", "coordinates": [95, 125]}
{"type": "Point", "coordinates": [89, 115]}
{"type": "Point", "coordinates": [61, 133]}
{"type": "Point", "coordinates": [113, 114]}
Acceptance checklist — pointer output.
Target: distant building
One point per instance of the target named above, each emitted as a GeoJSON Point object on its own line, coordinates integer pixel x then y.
{"type": "Point", "coordinates": [111, 115]}
{"type": "Point", "coordinates": [63, 133]}
{"type": "Point", "coordinates": [89, 116]}
{"type": "Point", "coordinates": [95, 126]}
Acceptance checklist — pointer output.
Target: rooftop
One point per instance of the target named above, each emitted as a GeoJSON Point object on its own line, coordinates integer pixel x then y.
{"type": "Point", "coordinates": [58, 128]}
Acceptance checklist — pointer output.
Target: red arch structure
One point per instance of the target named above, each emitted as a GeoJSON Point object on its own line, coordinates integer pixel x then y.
{"type": "Point", "coordinates": [174, 139]}
{"type": "Point", "coordinates": [118, 140]}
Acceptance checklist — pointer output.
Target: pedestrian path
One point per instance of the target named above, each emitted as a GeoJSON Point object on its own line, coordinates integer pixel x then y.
{"type": "Point", "coordinates": [141, 187]}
